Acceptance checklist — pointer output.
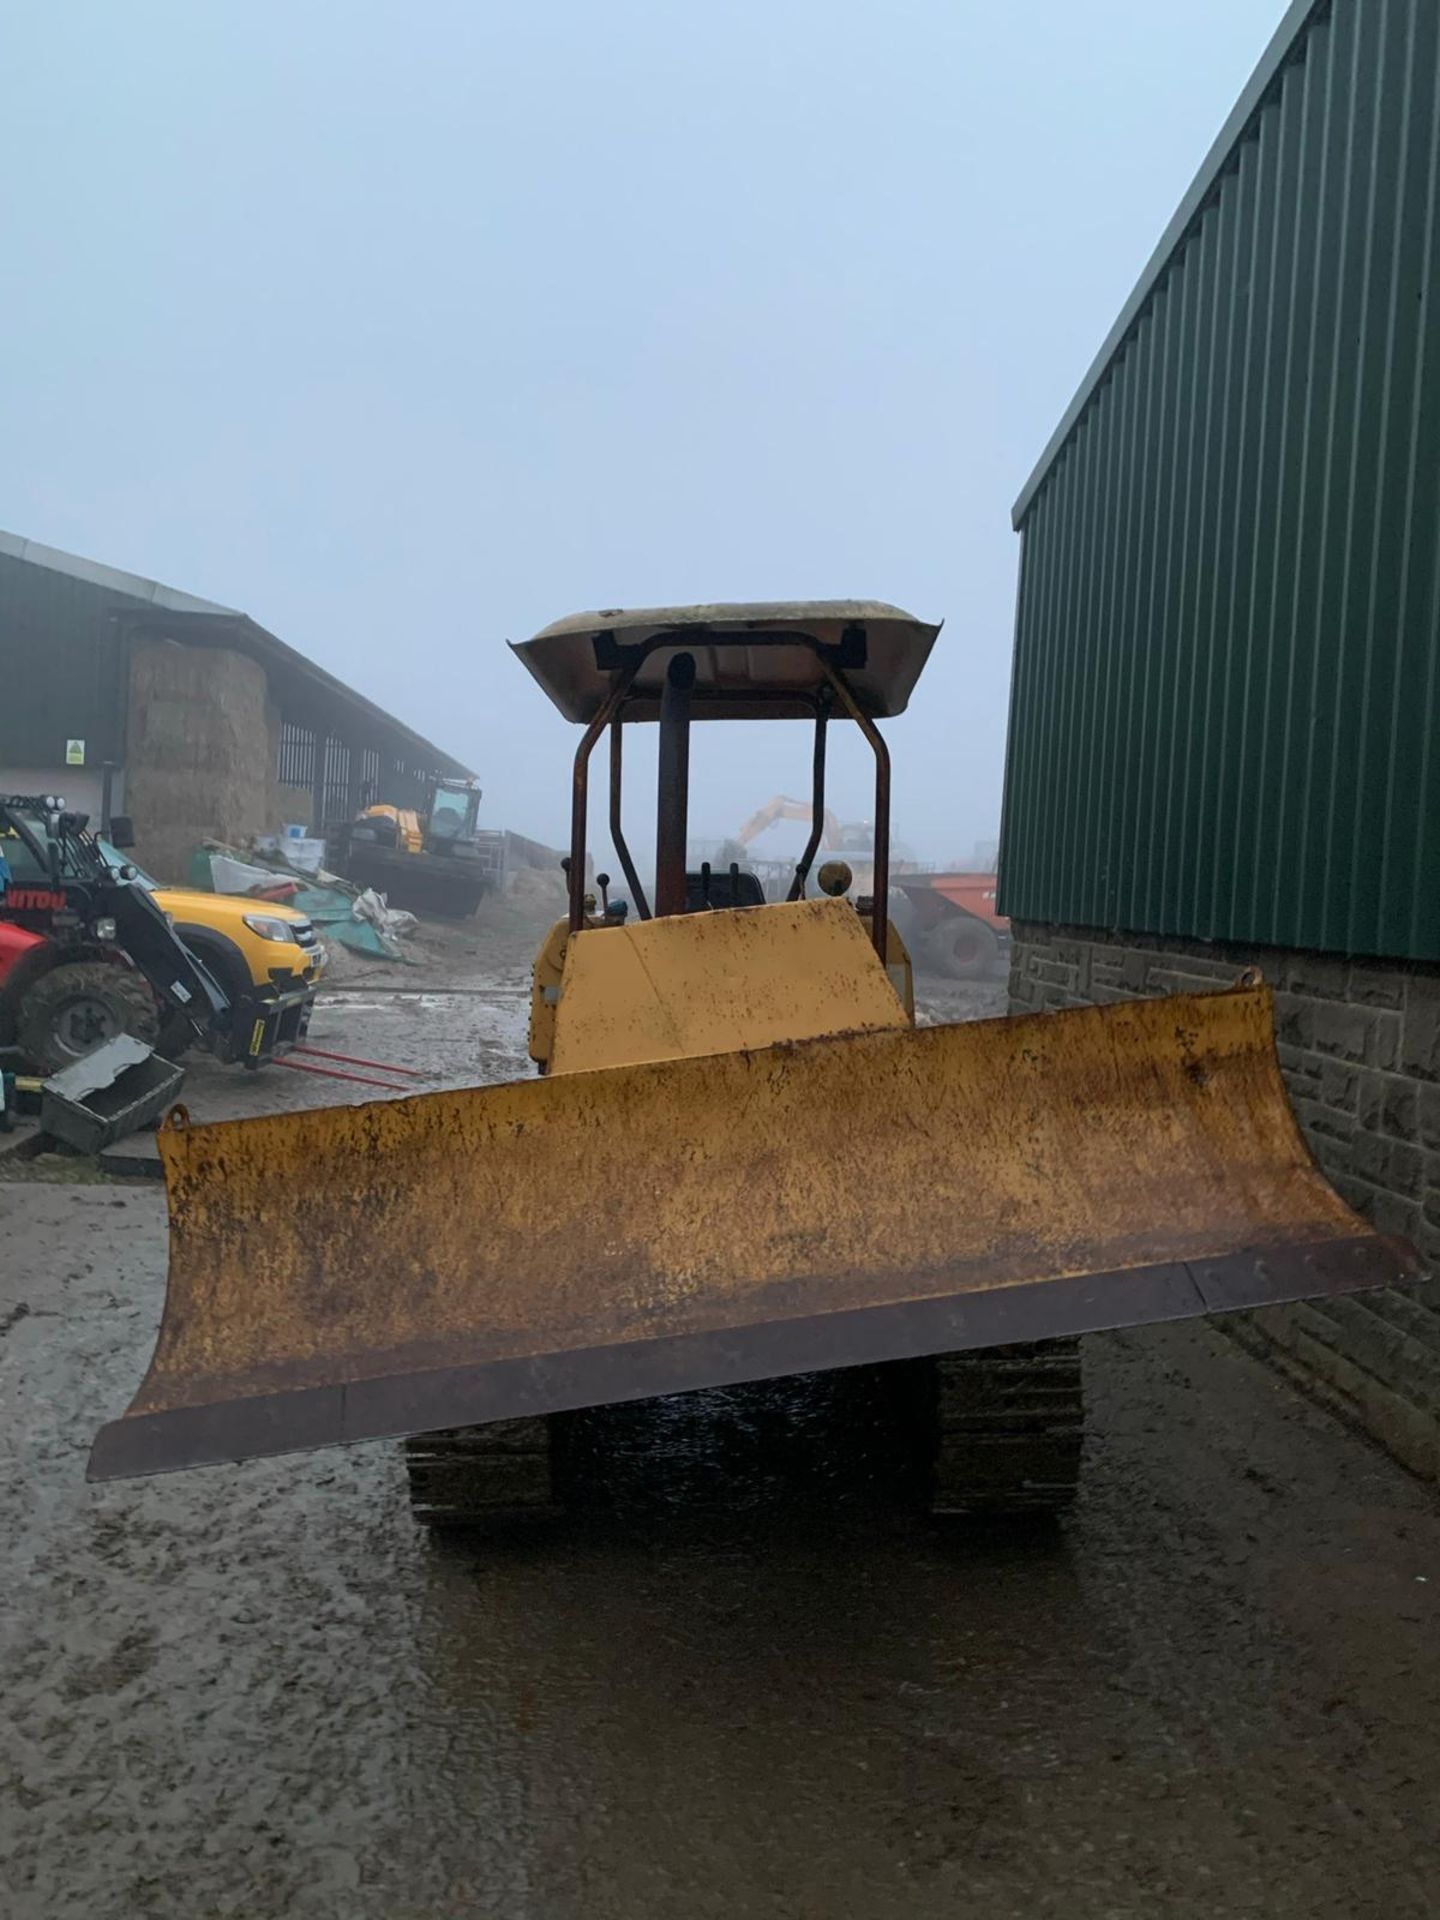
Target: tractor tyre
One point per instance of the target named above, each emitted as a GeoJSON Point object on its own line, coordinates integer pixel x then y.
{"type": "Point", "coordinates": [77, 1007]}
{"type": "Point", "coordinates": [467, 1477]}
{"type": "Point", "coordinates": [1007, 1432]}
{"type": "Point", "coordinates": [962, 948]}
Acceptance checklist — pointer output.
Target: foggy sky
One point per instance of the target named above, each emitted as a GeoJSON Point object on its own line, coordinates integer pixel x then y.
{"type": "Point", "coordinates": [409, 328]}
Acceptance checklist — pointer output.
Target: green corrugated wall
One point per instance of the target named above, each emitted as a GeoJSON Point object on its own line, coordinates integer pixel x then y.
{"type": "Point", "coordinates": [1225, 718]}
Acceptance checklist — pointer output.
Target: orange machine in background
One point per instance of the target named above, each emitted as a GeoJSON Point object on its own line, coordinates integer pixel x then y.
{"type": "Point", "coordinates": [949, 923]}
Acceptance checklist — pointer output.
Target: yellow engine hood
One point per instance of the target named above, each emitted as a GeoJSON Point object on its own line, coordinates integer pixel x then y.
{"type": "Point", "coordinates": [225, 911]}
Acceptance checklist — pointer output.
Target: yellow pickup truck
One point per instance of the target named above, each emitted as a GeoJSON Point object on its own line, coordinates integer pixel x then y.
{"type": "Point", "coordinates": [267, 958]}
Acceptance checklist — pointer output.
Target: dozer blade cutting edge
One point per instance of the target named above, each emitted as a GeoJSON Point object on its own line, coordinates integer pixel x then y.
{"type": "Point", "coordinates": [482, 1254]}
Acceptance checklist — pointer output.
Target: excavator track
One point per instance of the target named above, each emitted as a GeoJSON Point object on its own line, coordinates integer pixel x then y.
{"type": "Point", "coordinates": [473, 1476]}
{"type": "Point", "coordinates": [1009, 1422]}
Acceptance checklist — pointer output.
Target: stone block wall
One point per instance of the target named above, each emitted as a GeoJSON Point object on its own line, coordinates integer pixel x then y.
{"type": "Point", "coordinates": [1359, 1044]}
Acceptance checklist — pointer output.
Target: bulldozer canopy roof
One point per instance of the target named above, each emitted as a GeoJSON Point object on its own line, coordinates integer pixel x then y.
{"type": "Point", "coordinates": [754, 660]}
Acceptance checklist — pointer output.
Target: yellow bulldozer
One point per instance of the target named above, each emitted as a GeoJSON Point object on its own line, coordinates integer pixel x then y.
{"type": "Point", "coordinates": [740, 1158]}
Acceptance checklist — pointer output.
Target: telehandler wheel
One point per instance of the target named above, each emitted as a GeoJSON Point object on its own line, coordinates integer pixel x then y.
{"type": "Point", "coordinates": [77, 1007]}
{"type": "Point", "coordinates": [1008, 1426]}
{"type": "Point", "coordinates": [472, 1476]}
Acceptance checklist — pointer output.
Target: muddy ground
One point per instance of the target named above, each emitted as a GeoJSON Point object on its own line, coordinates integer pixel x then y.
{"type": "Point", "coordinates": [764, 1691]}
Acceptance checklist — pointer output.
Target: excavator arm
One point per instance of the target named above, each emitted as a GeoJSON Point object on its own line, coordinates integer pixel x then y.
{"type": "Point", "coordinates": [782, 807]}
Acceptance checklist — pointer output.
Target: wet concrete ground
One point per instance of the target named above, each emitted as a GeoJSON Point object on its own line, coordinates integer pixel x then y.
{"type": "Point", "coordinates": [768, 1692]}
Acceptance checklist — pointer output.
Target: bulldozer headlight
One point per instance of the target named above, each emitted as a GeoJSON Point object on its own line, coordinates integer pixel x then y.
{"type": "Point", "coordinates": [103, 929]}
{"type": "Point", "coordinates": [269, 928]}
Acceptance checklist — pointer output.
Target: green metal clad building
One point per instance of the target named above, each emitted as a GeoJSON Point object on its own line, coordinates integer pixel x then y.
{"type": "Point", "coordinates": [1224, 712]}
{"type": "Point", "coordinates": [1225, 720]}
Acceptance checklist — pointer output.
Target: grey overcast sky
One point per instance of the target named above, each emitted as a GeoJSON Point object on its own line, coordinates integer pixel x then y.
{"type": "Point", "coordinates": [410, 327]}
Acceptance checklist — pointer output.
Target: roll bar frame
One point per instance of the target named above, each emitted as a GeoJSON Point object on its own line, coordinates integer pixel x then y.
{"type": "Point", "coordinates": [678, 704]}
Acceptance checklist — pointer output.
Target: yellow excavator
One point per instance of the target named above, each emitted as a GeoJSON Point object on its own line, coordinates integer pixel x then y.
{"type": "Point", "coordinates": [740, 1158]}
{"type": "Point", "coordinates": [781, 807]}
{"type": "Point", "coordinates": [854, 843]}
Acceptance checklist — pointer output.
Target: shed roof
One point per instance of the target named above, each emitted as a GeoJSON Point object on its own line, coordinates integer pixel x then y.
{"type": "Point", "coordinates": [162, 610]}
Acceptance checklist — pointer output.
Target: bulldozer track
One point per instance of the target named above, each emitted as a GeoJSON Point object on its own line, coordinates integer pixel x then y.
{"type": "Point", "coordinates": [1009, 1423]}
{"type": "Point", "coordinates": [1005, 1426]}
{"type": "Point", "coordinates": [471, 1476]}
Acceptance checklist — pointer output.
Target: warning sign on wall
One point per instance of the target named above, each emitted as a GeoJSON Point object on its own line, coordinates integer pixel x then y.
{"type": "Point", "coordinates": [74, 753]}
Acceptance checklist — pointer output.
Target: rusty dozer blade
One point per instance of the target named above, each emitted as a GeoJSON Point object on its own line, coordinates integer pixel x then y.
{"type": "Point", "coordinates": [487, 1253]}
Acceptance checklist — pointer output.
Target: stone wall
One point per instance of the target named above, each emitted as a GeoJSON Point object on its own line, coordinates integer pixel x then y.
{"type": "Point", "coordinates": [1359, 1047]}
{"type": "Point", "coordinates": [200, 752]}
